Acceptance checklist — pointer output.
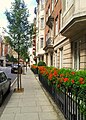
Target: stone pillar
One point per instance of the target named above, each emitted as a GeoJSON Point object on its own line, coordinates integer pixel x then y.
{"type": "Point", "coordinates": [37, 60]}
{"type": "Point", "coordinates": [45, 58]}
{"type": "Point", "coordinates": [49, 60]}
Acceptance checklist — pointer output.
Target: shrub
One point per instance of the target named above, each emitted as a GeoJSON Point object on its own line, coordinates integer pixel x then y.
{"type": "Point", "coordinates": [41, 63]}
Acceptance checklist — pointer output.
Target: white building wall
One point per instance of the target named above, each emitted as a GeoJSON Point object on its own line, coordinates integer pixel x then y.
{"type": "Point", "coordinates": [40, 31]}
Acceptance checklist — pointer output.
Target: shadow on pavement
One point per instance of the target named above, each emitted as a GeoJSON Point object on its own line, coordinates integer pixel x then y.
{"type": "Point", "coordinates": [5, 101]}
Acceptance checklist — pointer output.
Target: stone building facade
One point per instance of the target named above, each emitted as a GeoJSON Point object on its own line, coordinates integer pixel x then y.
{"type": "Point", "coordinates": [40, 28]}
{"type": "Point", "coordinates": [65, 33]}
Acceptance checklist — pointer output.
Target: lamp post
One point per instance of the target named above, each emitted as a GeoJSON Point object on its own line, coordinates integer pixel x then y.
{"type": "Point", "coordinates": [18, 63]}
{"type": "Point", "coordinates": [26, 64]}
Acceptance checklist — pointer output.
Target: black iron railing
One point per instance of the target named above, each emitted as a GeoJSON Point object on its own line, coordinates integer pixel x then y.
{"type": "Point", "coordinates": [35, 71]}
{"type": "Point", "coordinates": [69, 103]}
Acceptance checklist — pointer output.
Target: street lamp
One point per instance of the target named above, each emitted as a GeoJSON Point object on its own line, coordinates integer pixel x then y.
{"type": "Point", "coordinates": [26, 63]}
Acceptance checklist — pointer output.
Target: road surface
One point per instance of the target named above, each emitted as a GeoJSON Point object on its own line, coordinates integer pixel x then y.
{"type": "Point", "coordinates": [7, 70]}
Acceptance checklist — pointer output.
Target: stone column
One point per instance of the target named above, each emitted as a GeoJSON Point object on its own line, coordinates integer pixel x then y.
{"type": "Point", "coordinates": [45, 58]}
{"type": "Point", "coordinates": [37, 60]}
{"type": "Point", "coordinates": [49, 60]}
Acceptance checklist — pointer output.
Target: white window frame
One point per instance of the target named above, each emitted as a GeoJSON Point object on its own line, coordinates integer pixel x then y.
{"type": "Point", "coordinates": [66, 5]}
{"type": "Point", "coordinates": [42, 23]}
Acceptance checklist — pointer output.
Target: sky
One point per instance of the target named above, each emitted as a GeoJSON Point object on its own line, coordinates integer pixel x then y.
{"type": "Point", "coordinates": [6, 4]}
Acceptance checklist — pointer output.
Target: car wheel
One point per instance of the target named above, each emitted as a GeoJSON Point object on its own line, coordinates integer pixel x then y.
{"type": "Point", "coordinates": [1, 98]}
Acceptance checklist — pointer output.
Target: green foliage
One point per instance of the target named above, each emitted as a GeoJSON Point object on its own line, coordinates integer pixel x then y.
{"type": "Point", "coordinates": [41, 63]}
{"type": "Point", "coordinates": [11, 58]}
{"type": "Point", "coordinates": [7, 39]}
{"type": "Point", "coordinates": [19, 28]}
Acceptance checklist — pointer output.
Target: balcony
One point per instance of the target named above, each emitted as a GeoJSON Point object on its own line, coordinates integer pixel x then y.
{"type": "Point", "coordinates": [50, 21]}
{"type": "Point", "coordinates": [49, 45]}
{"type": "Point", "coordinates": [76, 25]}
{"type": "Point", "coordinates": [74, 19]}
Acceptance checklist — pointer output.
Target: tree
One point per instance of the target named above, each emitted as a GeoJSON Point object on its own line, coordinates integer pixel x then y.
{"type": "Point", "coordinates": [19, 28]}
{"type": "Point", "coordinates": [11, 58]}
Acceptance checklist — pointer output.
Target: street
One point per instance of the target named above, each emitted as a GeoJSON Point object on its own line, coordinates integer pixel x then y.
{"type": "Point", "coordinates": [7, 70]}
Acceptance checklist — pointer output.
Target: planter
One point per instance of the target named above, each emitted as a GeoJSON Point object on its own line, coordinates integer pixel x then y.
{"type": "Point", "coordinates": [35, 71]}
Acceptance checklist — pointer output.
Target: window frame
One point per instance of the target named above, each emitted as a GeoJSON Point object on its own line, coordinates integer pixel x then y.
{"type": "Point", "coordinates": [42, 22]}
{"type": "Point", "coordinates": [41, 42]}
{"type": "Point", "coordinates": [56, 26]}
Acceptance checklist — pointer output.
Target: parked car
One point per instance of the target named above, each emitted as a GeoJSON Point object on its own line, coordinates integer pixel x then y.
{"type": "Point", "coordinates": [4, 85]}
{"type": "Point", "coordinates": [14, 68]}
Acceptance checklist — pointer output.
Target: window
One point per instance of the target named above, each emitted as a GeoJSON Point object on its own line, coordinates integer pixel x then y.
{"type": "Point", "coordinates": [56, 28]}
{"type": "Point", "coordinates": [76, 56]}
{"type": "Point", "coordinates": [61, 57]}
{"type": "Point", "coordinates": [41, 45]}
{"type": "Point", "coordinates": [56, 0]}
{"type": "Point", "coordinates": [49, 11]}
{"type": "Point", "coordinates": [51, 60]}
{"type": "Point", "coordinates": [67, 4]}
{"type": "Point", "coordinates": [42, 4]}
{"type": "Point", "coordinates": [56, 58]}
{"type": "Point", "coordinates": [42, 23]}
{"type": "Point", "coordinates": [52, 5]}
{"type": "Point", "coordinates": [60, 19]}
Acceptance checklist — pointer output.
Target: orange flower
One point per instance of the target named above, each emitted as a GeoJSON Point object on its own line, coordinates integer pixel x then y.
{"type": "Point", "coordinates": [73, 73]}
{"type": "Point", "coordinates": [81, 80]}
{"type": "Point", "coordinates": [55, 73]}
{"type": "Point", "coordinates": [65, 79]}
{"type": "Point", "coordinates": [50, 76]}
{"type": "Point", "coordinates": [73, 81]}
{"type": "Point", "coordinates": [61, 75]}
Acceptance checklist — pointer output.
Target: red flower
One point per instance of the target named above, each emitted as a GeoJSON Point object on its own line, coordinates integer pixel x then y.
{"type": "Point", "coordinates": [73, 73]}
{"type": "Point", "coordinates": [55, 73]}
{"type": "Point", "coordinates": [73, 81]}
{"type": "Point", "coordinates": [50, 76]}
{"type": "Point", "coordinates": [61, 75]}
{"type": "Point", "coordinates": [81, 80]}
{"type": "Point", "coordinates": [65, 79]}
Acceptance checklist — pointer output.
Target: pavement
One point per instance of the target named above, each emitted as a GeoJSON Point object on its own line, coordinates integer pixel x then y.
{"type": "Point", "coordinates": [34, 103]}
